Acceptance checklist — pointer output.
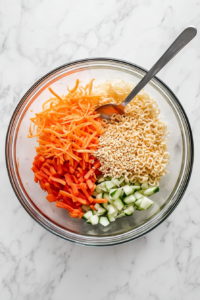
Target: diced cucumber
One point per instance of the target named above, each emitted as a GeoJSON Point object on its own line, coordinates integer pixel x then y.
{"type": "Point", "coordinates": [101, 210]}
{"type": "Point", "coordinates": [94, 212]}
{"type": "Point", "coordinates": [98, 189]}
{"type": "Point", "coordinates": [112, 192]}
{"type": "Point", "coordinates": [123, 196]}
{"type": "Point", "coordinates": [144, 186]}
{"type": "Point", "coordinates": [100, 178]}
{"type": "Point", "coordinates": [146, 203]}
{"type": "Point", "coordinates": [152, 190]}
{"type": "Point", "coordinates": [105, 205]}
{"type": "Point", "coordinates": [121, 180]}
{"type": "Point", "coordinates": [97, 205]}
{"type": "Point", "coordinates": [129, 211]}
{"type": "Point", "coordinates": [122, 193]}
{"type": "Point", "coordinates": [141, 192]}
{"type": "Point", "coordinates": [106, 196]}
{"type": "Point", "coordinates": [115, 193]}
{"type": "Point", "coordinates": [138, 195]}
{"type": "Point", "coordinates": [138, 202]}
{"type": "Point", "coordinates": [120, 215]}
{"type": "Point", "coordinates": [102, 186]}
{"type": "Point", "coordinates": [85, 207]}
{"type": "Point", "coordinates": [128, 190]}
{"type": "Point", "coordinates": [110, 217]}
{"type": "Point", "coordinates": [136, 187]}
{"type": "Point", "coordinates": [93, 220]}
{"type": "Point", "coordinates": [119, 204]}
{"type": "Point", "coordinates": [111, 209]}
{"type": "Point", "coordinates": [104, 221]}
{"type": "Point", "coordinates": [109, 185]}
{"type": "Point", "coordinates": [139, 208]}
{"type": "Point", "coordinates": [116, 182]}
{"type": "Point", "coordinates": [99, 196]}
{"type": "Point", "coordinates": [88, 215]}
{"type": "Point", "coordinates": [129, 199]}
{"type": "Point", "coordinates": [115, 213]}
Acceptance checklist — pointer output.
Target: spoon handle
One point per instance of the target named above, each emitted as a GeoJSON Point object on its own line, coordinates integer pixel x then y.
{"type": "Point", "coordinates": [182, 40]}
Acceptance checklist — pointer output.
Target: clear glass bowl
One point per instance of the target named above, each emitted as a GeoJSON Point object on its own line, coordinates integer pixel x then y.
{"type": "Point", "coordinates": [21, 149]}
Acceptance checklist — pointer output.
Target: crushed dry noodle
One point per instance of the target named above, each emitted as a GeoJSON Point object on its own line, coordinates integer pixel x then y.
{"type": "Point", "coordinates": [134, 145]}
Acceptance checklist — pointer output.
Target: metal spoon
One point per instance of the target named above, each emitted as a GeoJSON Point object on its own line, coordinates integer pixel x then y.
{"type": "Point", "coordinates": [182, 40]}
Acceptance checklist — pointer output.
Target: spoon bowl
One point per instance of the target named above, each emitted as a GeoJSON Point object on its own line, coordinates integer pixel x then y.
{"type": "Point", "coordinates": [182, 40]}
{"type": "Point", "coordinates": [107, 110]}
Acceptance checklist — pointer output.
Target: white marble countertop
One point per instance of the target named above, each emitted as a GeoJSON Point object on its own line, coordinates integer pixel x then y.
{"type": "Point", "coordinates": [37, 36]}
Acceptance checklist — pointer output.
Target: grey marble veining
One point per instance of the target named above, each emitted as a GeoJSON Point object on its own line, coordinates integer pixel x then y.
{"type": "Point", "coordinates": [39, 35]}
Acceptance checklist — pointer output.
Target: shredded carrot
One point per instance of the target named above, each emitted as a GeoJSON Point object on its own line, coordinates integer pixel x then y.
{"type": "Point", "coordinates": [85, 192]}
{"type": "Point", "coordinates": [90, 184]}
{"type": "Point", "coordinates": [51, 198]}
{"type": "Point", "coordinates": [53, 171]}
{"type": "Point", "coordinates": [63, 205]}
{"type": "Point", "coordinates": [46, 171]}
{"type": "Point", "coordinates": [41, 158]}
{"type": "Point", "coordinates": [82, 201]}
{"type": "Point", "coordinates": [68, 179]}
{"type": "Point", "coordinates": [89, 173]}
{"type": "Point", "coordinates": [48, 188]}
{"type": "Point", "coordinates": [100, 200]}
{"type": "Point", "coordinates": [67, 131]}
{"type": "Point", "coordinates": [74, 189]}
{"type": "Point", "coordinates": [36, 179]}
{"type": "Point", "coordinates": [34, 169]}
{"type": "Point", "coordinates": [61, 181]}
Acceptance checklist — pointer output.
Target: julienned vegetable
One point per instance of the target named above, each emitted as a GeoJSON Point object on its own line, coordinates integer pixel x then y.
{"type": "Point", "coordinates": [68, 186]}
{"type": "Point", "coordinates": [67, 130]}
{"type": "Point", "coordinates": [122, 198]}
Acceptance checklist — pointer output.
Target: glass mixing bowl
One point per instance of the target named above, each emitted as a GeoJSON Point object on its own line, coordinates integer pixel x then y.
{"type": "Point", "coordinates": [20, 152]}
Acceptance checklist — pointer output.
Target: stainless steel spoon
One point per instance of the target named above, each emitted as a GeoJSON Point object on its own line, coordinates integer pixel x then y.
{"type": "Point", "coordinates": [182, 40]}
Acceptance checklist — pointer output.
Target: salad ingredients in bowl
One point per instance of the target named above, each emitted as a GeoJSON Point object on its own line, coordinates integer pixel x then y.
{"type": "Point", "coordinates": [99, 170]}
{"type": "Point", "coordinates": [68, 141]}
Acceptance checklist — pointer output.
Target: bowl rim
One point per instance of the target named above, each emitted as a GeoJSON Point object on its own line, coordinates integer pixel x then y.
{"type": "Point", "coordinates": [74, 63]}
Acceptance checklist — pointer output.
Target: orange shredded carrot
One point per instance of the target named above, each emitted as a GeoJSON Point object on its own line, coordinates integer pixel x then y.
{"type": "Point", "coordinates": [45, 170]}
{"type": "Point", "coordinates": [65, 194]}
{"type": "Point", "coordinates": [42, 159]}
{"type": "Point", "coordinates": [48, 188]}
{"type": "Point", "coordinates": [90, 184]}
{"type": "Point", "coordinates": [61, 181]}
{"type": "Point", "coordinates": [100, 200]}
{"type": "Point", "coordinates": [89, 173]}
{"type": "Point", "coordinates": [74, 189]}
{"type": "Point", "coordinates": [36, 179]}
{"type": "Point", "coordinates": [67, 131]}
{"type": "Point", "coordinates": [53, 171]}
{"type": "Point", "coordinates": [82, 201]}
{"type": "Point", "coordinates": [34, 169]}
{"type": "Point", "coordinates": [68, 179]}
{"type": "Point", "coordinates": [51, 198]}
{"type": "Point", "coordinates": [50, 89]}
